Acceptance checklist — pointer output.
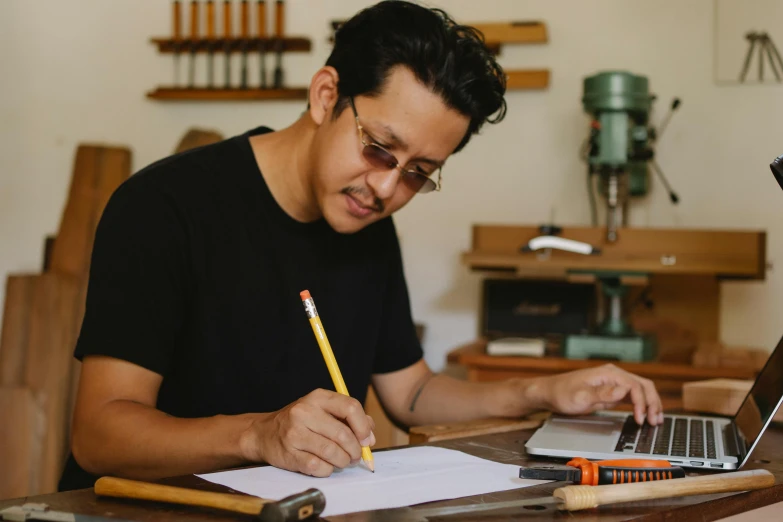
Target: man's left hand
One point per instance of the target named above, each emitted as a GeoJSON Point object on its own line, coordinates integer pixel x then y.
{"type": "Point", "coordinates": [600, 388]}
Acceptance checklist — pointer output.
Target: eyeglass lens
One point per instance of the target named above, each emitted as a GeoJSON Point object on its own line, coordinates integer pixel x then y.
{"type": "Point", "coordinates": [381, 158]}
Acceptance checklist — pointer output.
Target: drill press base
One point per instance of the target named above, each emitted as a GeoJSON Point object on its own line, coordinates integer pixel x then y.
{"type": "Point", "coordinates": [632, 348]}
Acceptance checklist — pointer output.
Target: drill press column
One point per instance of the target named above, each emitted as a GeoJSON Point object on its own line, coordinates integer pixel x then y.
{"type": "Point", "coordinates": [620, 104]}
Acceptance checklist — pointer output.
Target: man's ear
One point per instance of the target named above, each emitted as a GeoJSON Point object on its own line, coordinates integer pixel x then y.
{"type": "Point", "coordinates": [323, 93]}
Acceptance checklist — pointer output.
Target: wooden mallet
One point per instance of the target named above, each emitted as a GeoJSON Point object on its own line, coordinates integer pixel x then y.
{"type": "Point", "coordinates": [306, 504]}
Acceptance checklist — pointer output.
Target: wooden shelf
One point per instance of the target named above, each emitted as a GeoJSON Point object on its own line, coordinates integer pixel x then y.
{"type": "Point", "coordinates": [519, 32]}
{"type": "Point", "coordinates": [291, 44]}
{"type": "Point", "coordinates": [527, 79]}
{"type": "Point", "coordinates": [719, 253]}
{"type": "Point", "coordinates": [218, 94]}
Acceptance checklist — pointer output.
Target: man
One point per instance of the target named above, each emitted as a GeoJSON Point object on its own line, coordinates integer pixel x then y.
{"type": "Point", "coordinates": [196, 348]}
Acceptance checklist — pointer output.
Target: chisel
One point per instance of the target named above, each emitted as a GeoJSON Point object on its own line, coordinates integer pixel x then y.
{"type": "Point", "coordinates": [576, 498]}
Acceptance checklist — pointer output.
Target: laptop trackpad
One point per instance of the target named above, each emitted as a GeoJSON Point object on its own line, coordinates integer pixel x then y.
{"type": "Point", "coordinates": [588, 433]}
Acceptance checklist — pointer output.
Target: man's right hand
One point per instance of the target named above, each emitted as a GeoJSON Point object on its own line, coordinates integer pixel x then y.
{"type": "Point", "coordinates": [321, 431]}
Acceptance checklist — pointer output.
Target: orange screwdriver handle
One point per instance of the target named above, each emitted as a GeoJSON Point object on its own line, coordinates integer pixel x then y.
{"type": "Point", "coordinates": [624, 471]}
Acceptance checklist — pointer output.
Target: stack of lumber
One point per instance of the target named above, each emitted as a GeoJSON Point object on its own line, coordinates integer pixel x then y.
{"type": "Point", "coordinates": [41, 320]}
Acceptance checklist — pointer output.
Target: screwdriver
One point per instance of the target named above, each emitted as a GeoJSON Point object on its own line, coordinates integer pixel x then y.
{"type": "Point", "coordinates": [177, 37]}
{"type": "Point", "coordinates": [227, 39]}
{"type": "Point", "coordinates": [210, 42]}
{"type": "Point", "coordinates": [624, 471]}
{"type": "Point", "coordinates": [245, 33]}
{"type": "Point", "coordinates": [279, 23]}
{"type": "Point", "coordinates": [261, 5]}
{"type": "Point", "coordinates": [193, 42]}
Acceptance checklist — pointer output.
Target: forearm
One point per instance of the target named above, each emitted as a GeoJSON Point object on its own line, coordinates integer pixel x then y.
{"type": "Point", "coordinates": [440, 398]}
{"type": "Point", "coordinates": [132, 440]}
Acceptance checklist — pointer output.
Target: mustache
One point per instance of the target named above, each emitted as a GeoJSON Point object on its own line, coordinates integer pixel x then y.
{"type": "Point", "coordinates": [363, 194]}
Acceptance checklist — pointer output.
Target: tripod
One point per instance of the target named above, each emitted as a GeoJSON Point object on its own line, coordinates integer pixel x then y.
{"type": "Point", "coordinates": [765, 45]}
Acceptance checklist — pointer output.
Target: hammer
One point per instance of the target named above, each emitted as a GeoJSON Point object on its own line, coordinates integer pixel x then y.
{"type": "Point", "coordinates": [309, 503]}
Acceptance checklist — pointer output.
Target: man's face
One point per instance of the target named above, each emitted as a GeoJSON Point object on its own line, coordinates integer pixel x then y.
{"type": "Point", "coordinates": [408, 121]}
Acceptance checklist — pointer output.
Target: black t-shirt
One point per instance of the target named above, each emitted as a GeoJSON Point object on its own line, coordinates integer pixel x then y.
{"type": "Point", "coordinates": [196, 273]}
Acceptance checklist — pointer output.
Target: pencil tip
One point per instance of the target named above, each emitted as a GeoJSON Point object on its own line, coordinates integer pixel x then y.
{"type": "Point", "coordinates": [371, 465]}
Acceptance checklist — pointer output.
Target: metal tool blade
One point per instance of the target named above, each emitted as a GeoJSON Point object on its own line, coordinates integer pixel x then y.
{"type": "Point", "coordinates": [489, 506]}
{"type": "Point", "coordinates": [42, 512]}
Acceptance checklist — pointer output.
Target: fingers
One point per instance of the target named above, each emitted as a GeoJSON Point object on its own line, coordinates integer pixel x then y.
{"type": "Point", "coordinates": [350, 411]}
{"type": "Point", "coordinates": [642, 393]}
{"type": "Point", "coordinates": [639, 401]}
{"type": "Point", "coordinates": [324, 436]}
{"type": "Point", "coordinates": [654, 405]}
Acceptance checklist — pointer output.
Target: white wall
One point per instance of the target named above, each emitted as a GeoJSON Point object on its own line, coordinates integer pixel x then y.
{"type": "Point", "coordinates": [77, 71]}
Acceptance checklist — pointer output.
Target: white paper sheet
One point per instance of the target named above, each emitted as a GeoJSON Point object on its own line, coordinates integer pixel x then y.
{"type": "Point", "coordinates": [402, 477]}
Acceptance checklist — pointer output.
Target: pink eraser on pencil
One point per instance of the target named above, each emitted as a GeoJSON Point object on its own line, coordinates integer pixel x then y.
{"type": "Point", "coordinates": [305, 295]}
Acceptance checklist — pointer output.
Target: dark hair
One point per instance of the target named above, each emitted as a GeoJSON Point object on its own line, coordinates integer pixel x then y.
{"type": "Point", "coordinates": [449, 58]}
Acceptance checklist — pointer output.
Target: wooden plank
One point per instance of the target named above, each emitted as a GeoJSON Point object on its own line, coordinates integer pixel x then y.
{"type": "Point", "coordinates": [527, 79]}
{"type": "Point", "coordinates": [51, 339]}
{"type": "Point", "coordinates": [21, 441]}
{"type": "Point", "coordinates": [724, 253]}
{"type": "Point", "coordinates": [513, 32]}
{"type": "Point", "coordinates": [456, 430]}
{"type": "Point", "coordinates": [97, 172]}
{"type": "Point", "coordinates": [14, 338]}
{"type": "Point", "coordinates": [718, 396]}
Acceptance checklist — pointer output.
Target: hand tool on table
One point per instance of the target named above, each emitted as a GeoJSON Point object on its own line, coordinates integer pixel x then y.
{"type": "Point", "coordinates": [575, 498]}
{"type": "Point", "coordinates": [210, 43]}
{"type": "Point", "coordinates": [279, 24]}
{"type": "Point", "coordinates": [31, 511]}
{"type": "Point", "coordinates": [176, 36]}
{"type": "Point", "coordinates": [582, 471]}
{"type": "Point", "coordinates": [245, 34]}
{"type": "Point", "coordinates": [262, 35]}
{"type": "Point", "coordinates": [193, 43]}
{"type": "Point", "coordinates": [309, 503]}
{"type": "Point", "coordinates": [227, 40]}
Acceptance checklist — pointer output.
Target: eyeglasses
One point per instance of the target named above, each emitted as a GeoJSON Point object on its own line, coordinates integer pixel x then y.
{"type": "Point", "coordinates": [379, 157]}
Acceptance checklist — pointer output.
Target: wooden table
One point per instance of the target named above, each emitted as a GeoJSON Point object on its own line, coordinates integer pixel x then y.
{"type": "Point", "coordinates": [504, 447]}
{"type": "Point", "coordinates": [668, 377]}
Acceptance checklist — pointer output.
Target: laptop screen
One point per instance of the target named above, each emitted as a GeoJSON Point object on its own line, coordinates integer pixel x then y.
{"type": "Point", "coordinates": [762, 401]}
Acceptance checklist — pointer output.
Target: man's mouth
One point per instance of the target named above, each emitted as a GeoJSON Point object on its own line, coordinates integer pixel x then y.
{"type": "Point", "coordinates": [358, 209]}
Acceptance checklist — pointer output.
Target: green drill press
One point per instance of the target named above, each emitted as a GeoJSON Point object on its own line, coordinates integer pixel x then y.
{"type": "Point", "coordinates": [618, 152]}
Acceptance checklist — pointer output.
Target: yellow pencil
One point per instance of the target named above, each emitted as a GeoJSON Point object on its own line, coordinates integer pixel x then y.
{"type": "Point", "coordinates": [331, 362]}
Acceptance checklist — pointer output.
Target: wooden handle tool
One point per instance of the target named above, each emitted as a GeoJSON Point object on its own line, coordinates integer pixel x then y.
{"type": "Point", "coordinates": [309, 503]}
{"type": "Point", "coordinates": [585, 497]}
{"type": "Point", "coordinates": [575, 498]}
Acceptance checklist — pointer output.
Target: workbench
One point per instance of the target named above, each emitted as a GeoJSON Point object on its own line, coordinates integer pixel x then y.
{"type": "Point", "coordinates": [502, 447]}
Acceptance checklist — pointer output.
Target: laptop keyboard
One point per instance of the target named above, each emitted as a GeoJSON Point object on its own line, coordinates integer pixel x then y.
{"type": "Point", "coordinates": [675, 437]}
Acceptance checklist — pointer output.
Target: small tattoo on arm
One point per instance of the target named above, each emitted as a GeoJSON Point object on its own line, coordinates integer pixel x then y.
{"type": "Point", "coordinates": [418, 392]}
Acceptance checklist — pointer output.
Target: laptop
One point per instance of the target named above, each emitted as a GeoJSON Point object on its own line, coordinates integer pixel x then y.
{"type": "Point", "coordinates": [689, 441]}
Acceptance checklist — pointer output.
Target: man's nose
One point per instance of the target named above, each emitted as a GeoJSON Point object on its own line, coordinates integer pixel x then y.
{"type": "Point", "coordinates": [384, 182]}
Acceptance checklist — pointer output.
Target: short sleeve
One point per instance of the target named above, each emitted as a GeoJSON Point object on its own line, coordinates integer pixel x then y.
{"type": "Point", "coordinates": [136, 294]}
{"type": "Point", "coordinates": [398, 345]}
